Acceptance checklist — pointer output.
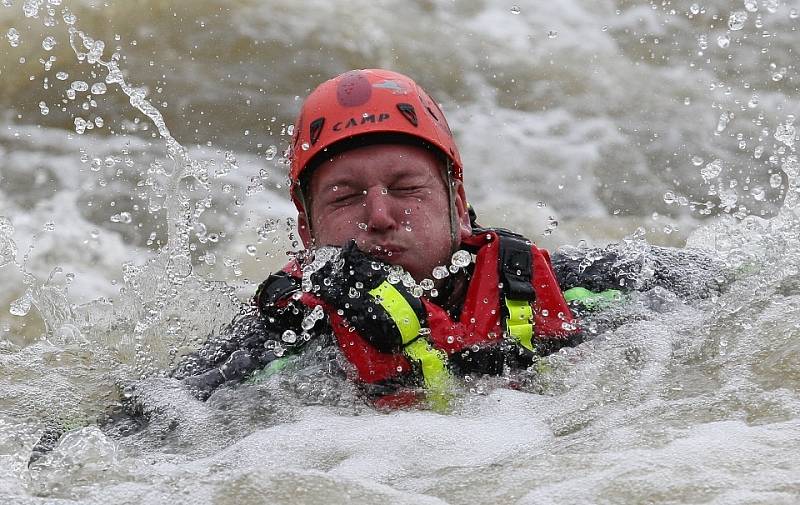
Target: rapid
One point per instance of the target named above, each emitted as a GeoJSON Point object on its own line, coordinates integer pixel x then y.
{"type": "Point", "coordinates": [143, 198]}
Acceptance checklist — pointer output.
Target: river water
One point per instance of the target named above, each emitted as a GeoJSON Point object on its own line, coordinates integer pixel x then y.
{"type": "Point", "coordinates": [142, 195]}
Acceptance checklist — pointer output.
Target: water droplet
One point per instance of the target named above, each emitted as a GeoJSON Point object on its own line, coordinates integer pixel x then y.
{"type": "Point", "coordinates": [289, 336]}
{"type": "Point", "coordinates": [516, 10]}
{"type": "Point", "coordinates": [794, 13]}
{"type": "Point", "coordinates": [99, 88]}
{"type": "Point", "coordinates": [48, 43]}
{"type": "Point", "coordinates": [785, 134]}
{"type": "Point", "coordinates": [694, 9]}
{"type": "Point", "coordinates": [697, 161]}
{"type": "Point", "coordinates": [736, 20]}
{"type": "Point", "coordinates": [362, 226]}
{"type": "Point", "coordinates": [43, 108]}
{"type": "Point", "coordinates": [751, 5]}
{"type": "Point", "coordinates": [669, 197]}
{"type": "Point", "coordinates": [13, 37]}
{"type": "Point", "coordinates": [753, 102]}
{"type": "Point", "coordinates": [724, 119]}
{"type": "Point", "coordinates": [21, 306]}
{"type": "Point", "coordinates": [353, 293]}
{"type": "Point", "coordinates": [62, 76]}
{"type": "Point", "coordinates": [440, 272]}
{"type": "Point", "coordinates": [712, 170]}
{"type": "Point", "coordinates": [461, 259]}
{"type": "Point", "coordinates": [702, 41]}
{"type": "Point", "coordinates": [552, 34]}
{"type": "Point", "coordinates": [723, 41]}
{"type": "Point", "coordinates": [427, 284]}
{"type": "Point", "coordinates": [758, 193]}
{"type": "Point", "coordinates": [80, 125]}
{"type": "Point", "coordinates": [775, 181]}
{"type": "Point", "coordinates": [771, 5]}
{"type": "Point", "coordinates": [251, 249]}
{"type": "Point", "coordinates": [31, 8]}
{"type": "Point", "coordinates": [79, 85]}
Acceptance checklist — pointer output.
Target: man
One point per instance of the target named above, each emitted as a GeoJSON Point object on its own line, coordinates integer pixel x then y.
{"type": "Point", "coordinates": [396, 272]}
{"type": "Point", "coordinates": [397, 276]}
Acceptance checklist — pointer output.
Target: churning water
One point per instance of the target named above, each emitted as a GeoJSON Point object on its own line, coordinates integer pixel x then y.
{"type": "Point", "coordinates": [142, 195]}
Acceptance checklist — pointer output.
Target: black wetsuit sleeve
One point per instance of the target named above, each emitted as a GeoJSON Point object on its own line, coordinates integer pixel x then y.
{"type": "Point", "coordinates": [246, 345]}
{"type": "Point", "coordinates": [689, 273]}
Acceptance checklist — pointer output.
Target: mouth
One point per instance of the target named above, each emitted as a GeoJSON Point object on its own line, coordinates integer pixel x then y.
{"type": "Point", "coordinates": [385, 251]}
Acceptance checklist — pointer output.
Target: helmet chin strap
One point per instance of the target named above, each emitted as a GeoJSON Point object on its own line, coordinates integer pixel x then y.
{"type": "Point", "coordinates": [455, 222]}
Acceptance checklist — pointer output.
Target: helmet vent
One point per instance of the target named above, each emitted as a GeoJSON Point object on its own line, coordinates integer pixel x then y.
{"type": "Point", "coordinates": [408, 112]}
{"type": "Point", "coordinates": [315, 129]}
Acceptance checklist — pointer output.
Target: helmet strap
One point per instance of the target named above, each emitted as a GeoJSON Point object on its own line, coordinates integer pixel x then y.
{"type": "Point", "coordinates": [455, 222]}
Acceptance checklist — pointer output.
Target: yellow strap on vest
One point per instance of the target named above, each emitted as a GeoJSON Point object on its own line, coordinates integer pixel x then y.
{"type": "Point", "coordinates": [398, 309]}
{"type": "Point", "coordinates": [433, 362]}
{"type": "Point", "coordinates": [520, 322]}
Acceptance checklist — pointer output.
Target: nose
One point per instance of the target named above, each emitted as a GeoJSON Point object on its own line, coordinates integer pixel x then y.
{"type": "Point", "coordinates": [378, 211]}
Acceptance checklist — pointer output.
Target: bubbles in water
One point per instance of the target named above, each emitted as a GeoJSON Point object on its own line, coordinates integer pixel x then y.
{"type": "Point", "coordinates": [13, 37]}
{"type": "Point", "coordinates": [712, 170]}
{"type": "Point", "coordinates": [753, 101]}
{"type": "Point", "coordinates": [751, 5]}
{"type": "Point", "coordinates": [62, 76]}
{"type": "Point", "coordinates": [271, 151]}
{"type": "Point", "coordinates": [794, 14]}
{"type": "Point", "coordinates": [758, 193]}
{"type": "Point", "coordinates": [736, 20]}
{"type": "Point", "coordinates": [251, 249]}
{"type": "Point", "coordinates": [694, 9]}
{"type": "Point", "coordinates": [702, 41]}
{"type": "Point", "coordinates": [289, 336]}
{"type": "Point", "coordinates": [723, 41]}
{"type": "Point", "coordinates": [99, 88]}
{"type": "Point", "coordinates": [552, 34]}
{"type": "Point", "coordinates": [79, 85]}
{"type": "Point", "coordinates": [669, 197]}
{"type": "Point", "coordinates": [697, 161]}
{"type": "Point", "coordinates": [8, 3]}
{"type": "Point", "coordinates": [461, 258]}
{"type": "Point", "coordinates": [43, 108]}
{"type": "Point", "coordinates": [516, 10]}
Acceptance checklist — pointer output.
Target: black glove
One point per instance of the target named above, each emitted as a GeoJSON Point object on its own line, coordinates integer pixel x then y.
{"type": "Point", "coordinates": [345, 282]}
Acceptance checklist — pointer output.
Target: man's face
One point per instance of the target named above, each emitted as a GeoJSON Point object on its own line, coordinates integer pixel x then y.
{"type": "Point", "coordinates": [390, 198]}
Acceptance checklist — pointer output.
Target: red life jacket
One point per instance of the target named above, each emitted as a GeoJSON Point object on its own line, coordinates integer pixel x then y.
{"type": "Point", "coordinates": [506, 267]}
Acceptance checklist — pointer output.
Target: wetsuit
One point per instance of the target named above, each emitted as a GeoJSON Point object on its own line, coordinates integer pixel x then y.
{"type": "Point", "coordinates": [282, 323]}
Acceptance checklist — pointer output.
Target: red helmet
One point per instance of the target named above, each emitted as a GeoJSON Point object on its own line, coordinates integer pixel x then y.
{"type": "Point", "coordinates": [363, 102]}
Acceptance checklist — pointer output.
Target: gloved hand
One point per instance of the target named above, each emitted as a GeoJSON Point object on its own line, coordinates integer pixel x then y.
{"type": "Point", "coordinates": [370, 295]}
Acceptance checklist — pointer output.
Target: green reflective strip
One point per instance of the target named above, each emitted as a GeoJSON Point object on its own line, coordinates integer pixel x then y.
{"type": "Point", "coordinates": [398, 309]}
{"type": "Point", "coordinates": [433, 362]}
{"type": "Point", "coordinates": [438, 381]}
{"type": "Point", "coordinates": [590, 299]}
{"type": "Point", "coordinates": [519, 322]}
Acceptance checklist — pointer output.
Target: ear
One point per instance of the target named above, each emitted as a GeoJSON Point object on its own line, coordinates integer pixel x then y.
{"type": "Point", "coordinates": [464, 225]}
{"type": "Point", "coordinates": [304, 230]}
